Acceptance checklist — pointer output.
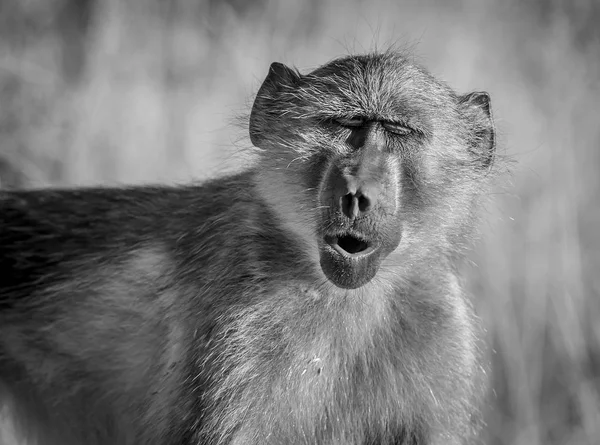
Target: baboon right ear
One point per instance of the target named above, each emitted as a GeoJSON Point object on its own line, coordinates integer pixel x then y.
{"type": "Point", "coordinates": [279, 78]}
{"type": "Point", "coordinates": [478, 109]}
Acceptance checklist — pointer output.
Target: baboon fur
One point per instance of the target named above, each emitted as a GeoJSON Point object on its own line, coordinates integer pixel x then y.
{"type": "Point", "coordinates": [201, 314]}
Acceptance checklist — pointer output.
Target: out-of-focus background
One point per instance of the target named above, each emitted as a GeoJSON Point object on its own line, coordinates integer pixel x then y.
{"type": "Point", "coordinates": [132, 91]}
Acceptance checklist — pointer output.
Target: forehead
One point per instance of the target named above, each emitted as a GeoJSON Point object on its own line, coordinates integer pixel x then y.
{"type": "Point", "coordinates": [375, 85]}
{"type": "Point", "coordinates": [369, 66]}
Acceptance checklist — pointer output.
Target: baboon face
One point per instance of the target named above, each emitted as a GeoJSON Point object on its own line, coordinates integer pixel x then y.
{"type": "Point", "coordinates": [380, 148]}
{"type": "Point", "coordinates": [358, 196]}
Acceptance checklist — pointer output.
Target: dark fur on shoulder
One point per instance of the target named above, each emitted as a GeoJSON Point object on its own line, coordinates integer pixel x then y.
{"type": "Point", "coordinates": [312, 299]}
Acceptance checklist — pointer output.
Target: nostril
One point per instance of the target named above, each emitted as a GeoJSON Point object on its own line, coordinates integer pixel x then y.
{"type": "Point", "coordinates": [349, 207]}
{"type": "Point", "coordinates": [364, 204]}
{"type": "Point", "coordinates": [352, 205]}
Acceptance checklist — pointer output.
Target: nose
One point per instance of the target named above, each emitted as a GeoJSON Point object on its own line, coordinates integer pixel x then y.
{"type": "Point", "coordinates": [354, 196]}
{"type": "Point", "coordinates": [354, 202]}
{"type": "Point", "coordinates": [354, 183]}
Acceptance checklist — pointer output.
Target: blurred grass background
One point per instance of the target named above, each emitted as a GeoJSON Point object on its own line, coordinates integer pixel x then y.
{"type": "Point", "coordinates": [133, 91]}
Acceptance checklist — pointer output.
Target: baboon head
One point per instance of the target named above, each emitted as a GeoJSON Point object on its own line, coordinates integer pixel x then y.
{"type": "Point", "coordinates": [368, 156]}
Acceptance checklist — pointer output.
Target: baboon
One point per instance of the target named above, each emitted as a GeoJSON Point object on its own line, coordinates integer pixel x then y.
{"type": "Point", "coordinates": [312, 298]}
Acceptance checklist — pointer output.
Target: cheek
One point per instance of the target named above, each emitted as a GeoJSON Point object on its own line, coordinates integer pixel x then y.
{"type": "Point", "coordinates": [392, 186]}
{"type": "Point", "coordinates": [388, 217]}
{"type": "Point", "coordinates": [426, 178]}
{"type": "Point", "coordinates": [289, 185]}
{"type": "Point", "coordinates": [315, 170]}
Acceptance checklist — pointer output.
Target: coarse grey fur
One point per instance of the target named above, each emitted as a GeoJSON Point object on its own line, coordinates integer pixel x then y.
{"type": "Point", "coordinates": [220, 314]}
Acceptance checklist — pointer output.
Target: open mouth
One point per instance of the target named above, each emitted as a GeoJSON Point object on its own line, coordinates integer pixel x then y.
{"type": "Point", "coordinates": [349, 259]}
{"type": "Point", "coordinates": [349, 245]}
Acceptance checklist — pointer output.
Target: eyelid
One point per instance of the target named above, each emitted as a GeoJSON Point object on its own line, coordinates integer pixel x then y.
{"type": "Point", "coordinates": [396, 128]}
{"type": "Point", "coordinates": [392, 127]}
{"type": "Point", "coordinates": [351, 122]}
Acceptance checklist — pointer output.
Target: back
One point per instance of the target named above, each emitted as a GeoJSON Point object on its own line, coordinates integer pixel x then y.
{"type": "Point", "coordinates": [93, 304]}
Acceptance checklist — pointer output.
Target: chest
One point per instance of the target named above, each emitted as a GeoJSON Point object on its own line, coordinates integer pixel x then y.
{"type": "Point", "coordinates": [320, 369]}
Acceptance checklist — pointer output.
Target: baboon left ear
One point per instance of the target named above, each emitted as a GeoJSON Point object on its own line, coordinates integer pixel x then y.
{"type": "Point", "coordinates": [279, 78]}
{"type": "Point", "coordinates": [478, 110]}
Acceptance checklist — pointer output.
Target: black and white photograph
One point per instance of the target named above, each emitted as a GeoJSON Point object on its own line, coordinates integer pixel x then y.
{"type": "Point", "coordinates": [299, 222]}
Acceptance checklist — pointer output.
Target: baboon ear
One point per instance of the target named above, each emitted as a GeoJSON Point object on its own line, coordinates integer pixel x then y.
{"type": "Point", "coordinates": [280, 77]}
{"type": "Point", "coordinates": [478, 109]}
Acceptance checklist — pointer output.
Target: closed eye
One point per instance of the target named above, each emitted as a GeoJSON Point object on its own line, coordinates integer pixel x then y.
{"type": "Point", "coordinates": [398, 129]}
{"type": "Point", "coordinates": [351, 122]}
